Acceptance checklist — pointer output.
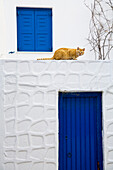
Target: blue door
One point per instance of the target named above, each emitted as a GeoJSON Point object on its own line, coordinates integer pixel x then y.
{"type": "Point", "coordinates": [80, 131]}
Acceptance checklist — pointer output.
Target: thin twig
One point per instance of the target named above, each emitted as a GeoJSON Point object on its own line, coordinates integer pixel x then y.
{"type": "Point", "coordinates": [100, 28]}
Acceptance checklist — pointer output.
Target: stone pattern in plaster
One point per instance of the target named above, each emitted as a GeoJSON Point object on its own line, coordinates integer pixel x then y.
{"type": "Point", "coordinates": [30, 108]}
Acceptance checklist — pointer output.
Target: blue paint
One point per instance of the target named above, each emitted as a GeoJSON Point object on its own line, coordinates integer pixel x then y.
{"type": "Point", "coordinates": [80, 131]}
{"type": "Point", "coordinates": [43, 30]}
{"type": "Point", "coordinates": [25, 29]}
{"type": "Point", "coordinates": [34, 29]}
{"type": "Point", "coordinates": [11, 52]}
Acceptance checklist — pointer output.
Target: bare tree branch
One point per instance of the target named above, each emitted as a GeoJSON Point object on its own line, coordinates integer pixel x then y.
{"type": "Point", "coordinates": [101, 28]}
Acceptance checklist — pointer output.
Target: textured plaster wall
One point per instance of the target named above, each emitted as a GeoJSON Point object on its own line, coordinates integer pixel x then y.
{"type": "Point", "coordinates": [29, 109]}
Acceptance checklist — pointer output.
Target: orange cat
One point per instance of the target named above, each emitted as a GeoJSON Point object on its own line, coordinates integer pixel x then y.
{"type": "Point", "coordinates": [66, 54]}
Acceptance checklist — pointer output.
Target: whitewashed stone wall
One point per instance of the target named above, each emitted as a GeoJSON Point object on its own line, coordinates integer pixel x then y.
{"type": "Point", "coordinates": [29, 109]}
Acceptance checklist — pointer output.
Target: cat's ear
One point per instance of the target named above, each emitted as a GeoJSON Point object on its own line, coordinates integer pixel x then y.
{"type": "Point", "coordinates": [77, 48]}
{"type": "Point", "coordinates": [83, 49]}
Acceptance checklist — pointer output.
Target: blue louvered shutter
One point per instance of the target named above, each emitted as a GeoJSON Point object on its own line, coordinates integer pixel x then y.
{"type": "Point", "coordinates": [25, 29]}
{"type": "Point", "coordinates": [43, 29]}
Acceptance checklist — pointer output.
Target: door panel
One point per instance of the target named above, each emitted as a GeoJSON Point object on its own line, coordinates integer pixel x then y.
{"type": "Point", "coordinates": [80, 131]}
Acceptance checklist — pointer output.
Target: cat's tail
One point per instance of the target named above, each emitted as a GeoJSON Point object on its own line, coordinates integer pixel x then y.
{"type": "Point", "coordinates": [45, 58]}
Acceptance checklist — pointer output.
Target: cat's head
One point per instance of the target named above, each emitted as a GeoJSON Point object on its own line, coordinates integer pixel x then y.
{"type": "Point", "coordinates": [80, 51]}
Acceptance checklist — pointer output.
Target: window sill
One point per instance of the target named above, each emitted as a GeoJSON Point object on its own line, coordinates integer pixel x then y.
{"type": "Point", "coordinates": [34, 52]}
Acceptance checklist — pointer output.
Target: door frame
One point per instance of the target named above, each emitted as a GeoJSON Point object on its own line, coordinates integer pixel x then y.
{"type": "Point", "coordinates": [103, 118]}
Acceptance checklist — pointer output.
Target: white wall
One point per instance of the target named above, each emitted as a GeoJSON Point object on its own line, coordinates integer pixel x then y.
{"type": "Point", "coordinates": [2, 29]}
{"type": "Point", "coordinates": [29, 109]}
{"type": "Point", "coordinates": [70, 25]}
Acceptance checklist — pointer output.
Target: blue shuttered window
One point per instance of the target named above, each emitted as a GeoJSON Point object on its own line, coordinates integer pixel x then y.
{"type": "Point", "coordinates": [34, 29]}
